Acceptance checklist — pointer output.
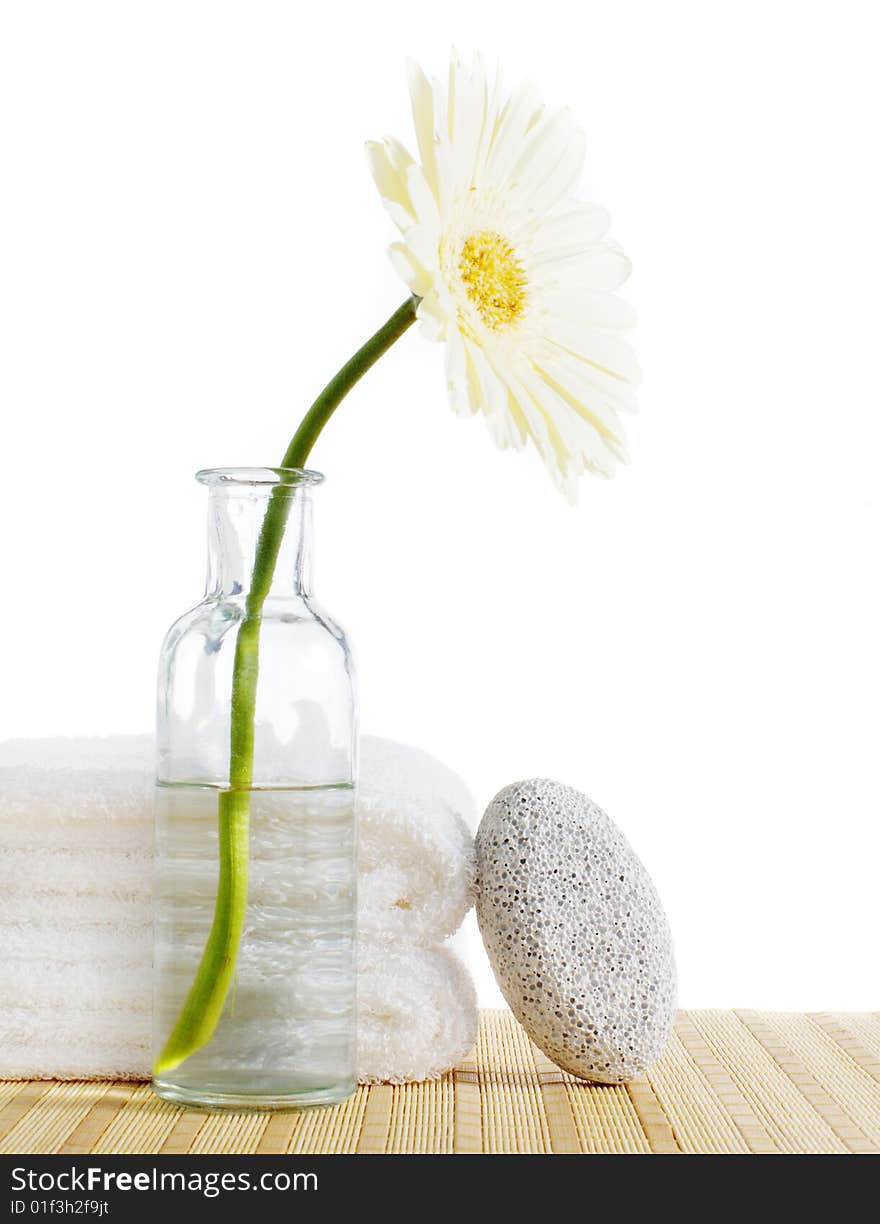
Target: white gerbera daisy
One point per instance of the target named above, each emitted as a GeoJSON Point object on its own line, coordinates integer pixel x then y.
{"type": "Point", "coordinates": [513, 272]}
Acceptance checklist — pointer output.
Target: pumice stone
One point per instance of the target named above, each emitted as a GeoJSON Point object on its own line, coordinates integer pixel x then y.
{"type": "Point", "coordinates": [575, 931]}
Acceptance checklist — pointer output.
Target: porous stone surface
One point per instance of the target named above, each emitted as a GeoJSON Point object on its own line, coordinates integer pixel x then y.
{"type": "Point", "coordinates": [575, 931]}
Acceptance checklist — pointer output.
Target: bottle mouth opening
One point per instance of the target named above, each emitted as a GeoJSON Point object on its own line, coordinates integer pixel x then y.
{"type": "Point", "coordinates": [259, 478]}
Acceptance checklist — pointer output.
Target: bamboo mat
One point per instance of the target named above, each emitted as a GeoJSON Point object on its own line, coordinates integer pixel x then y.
{"type": "Point", "coordinates": [731, 1081]}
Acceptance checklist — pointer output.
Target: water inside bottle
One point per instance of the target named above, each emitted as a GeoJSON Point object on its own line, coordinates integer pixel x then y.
{"type": "Point", "coordinates": [287, 1031]}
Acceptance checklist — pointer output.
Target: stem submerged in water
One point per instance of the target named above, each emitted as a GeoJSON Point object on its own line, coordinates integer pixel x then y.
{"type": "Point", "coordinates": [204, 1003]}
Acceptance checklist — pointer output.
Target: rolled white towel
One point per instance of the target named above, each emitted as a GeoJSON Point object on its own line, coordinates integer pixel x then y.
{"type": "Point", "coordinates": [417, 1013]}
{"type": "Point", "coordinates": [416, 858]}
{"type": "Point", "coordinates": [60, 796]}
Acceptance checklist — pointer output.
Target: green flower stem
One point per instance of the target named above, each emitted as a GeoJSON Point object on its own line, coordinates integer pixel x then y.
{"type": "Point", "coordinates": [204, 1003]}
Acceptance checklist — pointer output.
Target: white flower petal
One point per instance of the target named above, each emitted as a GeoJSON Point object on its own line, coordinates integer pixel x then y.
{"type": "Point", "coordinates": [588, 306]}
{"type": "Point", "coordinates": [518, 117]}
{"type": "Point", "coordinates": [594, 381]}
{"type": "Point", "coordinates": [546, 429]}
{"type": "Point", "coordinates": [561, 181]}
{"type": "Point", "coordinates": [457, 375]}
{"type": "Point", "coordinates": [567, 233]}
{"type": "Point", "coordinates": [495, 398]}
{"type": "Point", "coordinates": [422, 241]}
{"type": "Point", "coordinates": [577, 437]}
{"type": "Point", "coordinates": [603, 351]}
{"type": "Point", "coordinates": [545, 146]}
{"type": "Point", "coordinates": [432, 318]}
{"type": "Point", "coordinates": [468, 98]}
{"type": "Point", "coordinates": [388, 178]}
{"type": "Point", "coordinates": [474, 386]}
{"type": "Point", "coordinates": [514, 407]}
{"type": "Point", "coordinates": [402, 217]}
{"type": "Point", "coordinates": [399, 156]}
{"type": "Point", "coordinates": [591, 406]}
{"type": "Point", "coordinates": [490, 128]}
{"type": "Point", "coordinates": [413, 274]}
{"type": "Point", "coordinates": [423, 203]}
{"type": "Point", "coordinates": [601, 267]}
{"type": "Point", "coordinates": [536, 424]}
{"type": "Point", "coordinates": [422, 98]}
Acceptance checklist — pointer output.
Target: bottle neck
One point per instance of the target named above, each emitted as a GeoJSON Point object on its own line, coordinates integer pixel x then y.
{"type": "Point", "coordinates": [235, 516]}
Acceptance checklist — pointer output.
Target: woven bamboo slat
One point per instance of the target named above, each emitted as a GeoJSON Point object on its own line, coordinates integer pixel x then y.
{"type": "Point", "coordinates": [742, 1081]}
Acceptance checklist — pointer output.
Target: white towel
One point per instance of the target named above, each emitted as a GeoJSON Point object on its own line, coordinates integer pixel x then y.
{"type": "Point", "coordinates": [415, 821]}
{"type": "Point", "coordinates": [76, 889]}
{"type": "Point", "coordinates": [417, 1013]}
{"type": "Point", "coordinates": [76, 846]}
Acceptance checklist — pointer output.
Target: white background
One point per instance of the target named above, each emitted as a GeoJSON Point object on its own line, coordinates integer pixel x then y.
{"type": "Point", "coordinates": [190, 245]}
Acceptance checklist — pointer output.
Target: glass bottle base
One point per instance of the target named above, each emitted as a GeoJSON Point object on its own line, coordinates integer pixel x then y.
{"type": "Point", "coordinates": [218, 1102]}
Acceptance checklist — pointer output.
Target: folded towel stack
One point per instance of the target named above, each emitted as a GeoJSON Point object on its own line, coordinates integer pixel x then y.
{"type": "Point", "coordinates": [76, 910]}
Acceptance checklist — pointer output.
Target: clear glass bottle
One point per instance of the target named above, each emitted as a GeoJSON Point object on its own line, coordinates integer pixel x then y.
{"type": "Point", "coordinates": [286, 1035]}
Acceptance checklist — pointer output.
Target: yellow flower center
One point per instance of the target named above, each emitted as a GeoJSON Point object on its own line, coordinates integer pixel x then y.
{"type": "Point", "coordinates": [494, 279]}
